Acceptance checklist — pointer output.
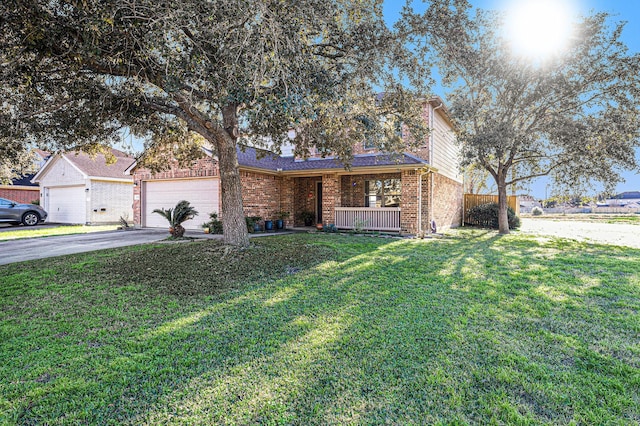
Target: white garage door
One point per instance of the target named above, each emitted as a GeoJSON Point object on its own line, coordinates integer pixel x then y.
{"type": "Point", "coordinates": [66, 204]}
{"type": "Point", "coordinates": [163, 194]}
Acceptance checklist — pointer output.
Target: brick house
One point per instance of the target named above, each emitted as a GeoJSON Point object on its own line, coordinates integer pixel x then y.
{"type": "Point", "coordinates": [83, 189]}
{"type": "Point", "coordinates": [387, 192]}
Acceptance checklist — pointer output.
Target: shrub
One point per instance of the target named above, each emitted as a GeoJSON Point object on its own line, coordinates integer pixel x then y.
{"type": "Point", "coordinates": [214, 225]}
{"type": "Point", "coordinates": [486, 216]}
{"type": "Point", "coordinates": [536, 211]}
{"type": "Point", "coordinates": [176, 216]}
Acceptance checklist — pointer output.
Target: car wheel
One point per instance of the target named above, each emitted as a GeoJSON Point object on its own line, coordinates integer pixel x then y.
{"type": "Point", "coordinates": [30, 219]}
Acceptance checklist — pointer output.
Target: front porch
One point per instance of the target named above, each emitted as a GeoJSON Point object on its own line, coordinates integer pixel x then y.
{"type": "Point", "coordinates": [387, 202]}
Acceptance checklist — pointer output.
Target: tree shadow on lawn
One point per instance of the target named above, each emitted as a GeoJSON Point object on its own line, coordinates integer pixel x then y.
{"type": "Point", "coordinates": [402, 332]}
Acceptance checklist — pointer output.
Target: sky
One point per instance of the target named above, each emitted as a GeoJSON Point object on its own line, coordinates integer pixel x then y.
{"type": "Point", "coordinates": [621, 10]}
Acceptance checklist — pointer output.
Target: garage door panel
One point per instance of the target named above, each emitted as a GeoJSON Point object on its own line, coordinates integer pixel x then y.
{"type": "Point", "coordinates": [67, 204]}
{"type": "Point", "coordinates": [164, 194]}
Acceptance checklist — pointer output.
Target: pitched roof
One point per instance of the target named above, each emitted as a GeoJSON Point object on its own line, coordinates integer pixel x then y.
{"type": "Point", "coordinates": [627, 195]}
{"type": "Point", "coordinates": [260, 159]}
{"type": "Point", "coordinates": [97, 166]}
{"type": "Point", "coordinates": [24, 180]}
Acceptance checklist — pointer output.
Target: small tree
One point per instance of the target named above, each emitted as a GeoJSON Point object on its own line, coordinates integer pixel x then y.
{"type": "Point", "coordinates": [176, 216]}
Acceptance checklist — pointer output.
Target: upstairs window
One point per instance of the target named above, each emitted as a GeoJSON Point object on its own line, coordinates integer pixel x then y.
{"type": "Point", "coordinates": [382, 193]}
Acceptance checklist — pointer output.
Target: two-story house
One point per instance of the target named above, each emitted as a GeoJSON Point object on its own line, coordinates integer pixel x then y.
{"type": "Point", "coordinates": [406, 192]}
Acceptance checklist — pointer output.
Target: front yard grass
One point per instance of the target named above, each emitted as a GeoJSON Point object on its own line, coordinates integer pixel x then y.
{"type": "Point", "coordinates": [26, 232]}
{"type": "Point", "coordinates": [325, 329]}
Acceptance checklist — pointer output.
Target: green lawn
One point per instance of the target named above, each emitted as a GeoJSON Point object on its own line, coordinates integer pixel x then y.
{"type": "Point", "coordinates": [26, 232]}
{"type": "Point", "coordinates": [325, 329]}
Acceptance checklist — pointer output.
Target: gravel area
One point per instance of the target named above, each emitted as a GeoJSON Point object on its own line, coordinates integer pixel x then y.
{"type": "Point", "coordinates": [603, 233]}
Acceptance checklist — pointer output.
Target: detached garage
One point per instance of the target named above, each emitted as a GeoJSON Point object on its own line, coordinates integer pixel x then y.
{"type": "Point", "coordinates": [76, 188]}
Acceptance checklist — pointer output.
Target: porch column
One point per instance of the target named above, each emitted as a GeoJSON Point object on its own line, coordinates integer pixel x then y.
{"type": "Point", "coordinates": [331, 197]}
{"type": "Point", "coordinates": [410, 200]}
{"type": "Point", "coordinates": [287, 199]}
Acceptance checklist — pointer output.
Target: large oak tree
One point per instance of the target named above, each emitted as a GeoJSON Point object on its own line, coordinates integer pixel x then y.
{"type": "Point", "coordinates": [77, 73]}
{"type": "Point", "coordinates": [574, 116]}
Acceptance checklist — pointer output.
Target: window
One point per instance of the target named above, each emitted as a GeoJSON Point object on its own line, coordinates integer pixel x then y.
{"type": "Point", "coordinates": [382, 193]}
{"type": "Point", "coordinates": [369, 144]}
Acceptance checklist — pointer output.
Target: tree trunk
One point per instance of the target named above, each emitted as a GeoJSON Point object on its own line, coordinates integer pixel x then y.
{"type": "Point", "coordinates": [503, 218]}
{"type": "Point", "coordinates": [234, 227]}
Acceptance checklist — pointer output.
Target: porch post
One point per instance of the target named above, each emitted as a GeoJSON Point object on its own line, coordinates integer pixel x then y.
{"type": "Point", "coordinates": [287, 199]}
{"type": "Point", "coordinates": [410, 199]}
{"type": "Point", "coordinates": [331, 197]}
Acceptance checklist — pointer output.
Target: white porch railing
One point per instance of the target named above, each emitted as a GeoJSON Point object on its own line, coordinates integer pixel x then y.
{"type": "Point", "coordinates": [367, 218]}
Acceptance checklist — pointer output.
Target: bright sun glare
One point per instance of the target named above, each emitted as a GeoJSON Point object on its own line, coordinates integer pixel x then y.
{"type": "Point", "coordinates": [539, 28]}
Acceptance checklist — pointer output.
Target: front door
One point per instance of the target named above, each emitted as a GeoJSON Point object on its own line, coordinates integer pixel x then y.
{"type": "Point", "coordinates": [318, 202]}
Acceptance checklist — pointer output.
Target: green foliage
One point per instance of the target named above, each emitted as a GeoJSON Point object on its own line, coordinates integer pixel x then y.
{"type": "Point", "coordinates": [282, 215]}
{"type": "Point", "coordinates": [573, 116]}
{"type": "Point", "coordinates": [537, 211]}
{"type": "Point", "coordinates": [176, 216]}
{"type": "Point", "coordinates": [214, 225]}
{"type": "Point", "coordinates": [486, 216]}
{"type": "Point", "coordinates": [325, 329]}
{"type": "Point", "coordinates": [251, 221]}
{"type": "Point", "coordinates": [81, 74]}
{"type": "Point", "coordinates": [124, 221]}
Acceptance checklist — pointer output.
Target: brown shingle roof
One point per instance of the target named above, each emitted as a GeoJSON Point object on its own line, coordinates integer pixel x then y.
{"type": "Point", "coordinates": [97, 166]}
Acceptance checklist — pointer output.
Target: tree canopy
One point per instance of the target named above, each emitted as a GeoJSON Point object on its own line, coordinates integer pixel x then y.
{"type": "Point", "coordinates": [574, 116]}
{"type": "Point", "coordinates": [77, 73]}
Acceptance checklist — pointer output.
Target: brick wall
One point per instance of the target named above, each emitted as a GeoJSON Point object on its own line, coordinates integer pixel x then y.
{"type": "Point", "coordinates": [409, 202]}
{"type": "Point", "coordinates": [20, 195]}
{"type": "Point", "coordinates": [331, 197]}
{"type": "Point", "coordinates": [260, 194]}
{"type": "Point", "coordinates": [447, 202]}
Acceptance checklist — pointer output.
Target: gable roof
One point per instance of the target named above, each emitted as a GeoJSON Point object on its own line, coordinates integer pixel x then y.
{"type": "Point", "coordinates": [95, 167]}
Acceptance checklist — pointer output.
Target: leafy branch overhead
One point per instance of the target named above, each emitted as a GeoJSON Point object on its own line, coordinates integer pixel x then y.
{"type": "Point", "coordinates": [574, 115]}
{"type": "Point", "coordinates": [79, 73]}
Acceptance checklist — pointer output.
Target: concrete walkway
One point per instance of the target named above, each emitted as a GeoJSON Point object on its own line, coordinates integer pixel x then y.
{"type": "Point", "coordinates": [12, 251]}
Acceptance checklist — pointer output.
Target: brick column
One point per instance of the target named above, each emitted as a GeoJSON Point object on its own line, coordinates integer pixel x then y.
{"type": "Point", "coordinates": [409, 204]}
{"type": "Point", "coordinates": [331, 197]}
{"type": "Point", "coordinates": [287, 199]}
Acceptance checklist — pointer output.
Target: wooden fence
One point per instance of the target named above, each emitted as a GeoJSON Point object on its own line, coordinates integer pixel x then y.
{"type": "Point", "coordinates": [472, 200]}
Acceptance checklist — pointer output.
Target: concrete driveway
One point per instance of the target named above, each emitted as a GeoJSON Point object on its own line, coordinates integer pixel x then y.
{"type": "Point", "coordinates": [39, 248]}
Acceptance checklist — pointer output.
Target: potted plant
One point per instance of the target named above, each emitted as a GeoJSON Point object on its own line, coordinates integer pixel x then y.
{"type": "Point", "coordinates": [176, 216]}
{"type": "Point", "coordinates": [282, 216]}
{"type": "Point", "coordinates": [268, 225]}
{"type": "Point", "coordinates": [253, 223]}
{"type": "Point", "coordinates": [307, 217]}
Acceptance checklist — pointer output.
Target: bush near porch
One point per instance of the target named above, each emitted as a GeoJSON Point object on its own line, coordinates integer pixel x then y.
{"type": "Point", "coordinates": [325, 328]}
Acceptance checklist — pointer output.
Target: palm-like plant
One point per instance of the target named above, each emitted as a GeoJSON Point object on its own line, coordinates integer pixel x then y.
{"type": "Point", "coordinates": [176, 216]}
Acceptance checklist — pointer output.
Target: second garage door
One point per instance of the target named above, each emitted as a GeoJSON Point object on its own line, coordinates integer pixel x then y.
{"type": "Point", "coordinates": [203, 194]}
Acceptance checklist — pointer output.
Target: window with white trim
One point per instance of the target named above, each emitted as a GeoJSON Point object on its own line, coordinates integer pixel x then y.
{"type": "Point", "coordinates": [382, 193]}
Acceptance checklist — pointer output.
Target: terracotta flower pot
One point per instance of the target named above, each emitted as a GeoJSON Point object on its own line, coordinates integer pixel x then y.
{"type": "Point", "coordinates": [319, 226]}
